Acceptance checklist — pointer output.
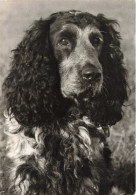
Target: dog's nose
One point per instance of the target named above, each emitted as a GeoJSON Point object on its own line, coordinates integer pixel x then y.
{"type": "Point", "coordinates": [90, 74]}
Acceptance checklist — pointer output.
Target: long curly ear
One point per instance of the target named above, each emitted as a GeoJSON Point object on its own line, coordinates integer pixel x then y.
{"type": "Point", "coordinates": [31, 87]}
{"type": "Point", "coordinates": [115, 84]}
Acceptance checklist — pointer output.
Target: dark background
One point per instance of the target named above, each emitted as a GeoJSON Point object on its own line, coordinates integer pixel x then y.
{"type": "Point", "coordinates": [16, 16]}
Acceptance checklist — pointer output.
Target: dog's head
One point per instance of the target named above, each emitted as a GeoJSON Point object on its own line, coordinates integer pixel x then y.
{"type": "Point", "coordinates": [77, 44]}
{"type": "Point", "coordinates": [70, 57]}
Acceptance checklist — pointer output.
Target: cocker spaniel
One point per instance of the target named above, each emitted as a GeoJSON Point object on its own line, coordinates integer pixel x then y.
{"type": "Point", "coordinates": [66, 87]}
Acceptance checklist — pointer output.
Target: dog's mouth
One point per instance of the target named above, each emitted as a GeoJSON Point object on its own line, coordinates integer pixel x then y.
{"type": "Point", "coordinates": [84, 93]}
{"type": "Point", "coordinates": [86, 96]}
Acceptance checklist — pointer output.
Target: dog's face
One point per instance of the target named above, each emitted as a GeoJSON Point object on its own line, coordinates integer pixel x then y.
{"type": "Point", "coordinates": [71, 59]}
{"type": "Point", "coordinates": [77, 48]}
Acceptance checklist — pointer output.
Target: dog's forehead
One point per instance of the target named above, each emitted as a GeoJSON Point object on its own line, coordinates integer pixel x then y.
{"type": "Point", "coordinates": [75, 29]}
{"type": "Point", "coordinates": [74, 20]}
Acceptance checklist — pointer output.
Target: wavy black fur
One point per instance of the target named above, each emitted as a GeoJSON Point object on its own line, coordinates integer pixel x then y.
{"type": "Point", "coordinates": [61, 163]}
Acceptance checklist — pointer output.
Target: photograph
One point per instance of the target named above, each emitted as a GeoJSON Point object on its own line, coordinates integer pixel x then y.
{"type": "Point", "coordinates": [67, 97]}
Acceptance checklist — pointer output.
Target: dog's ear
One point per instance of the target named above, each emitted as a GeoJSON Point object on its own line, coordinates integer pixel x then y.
{"type": "Point", "coordinates": [113, 68]}
{"type": "Point", "coordinates": [30, 88]}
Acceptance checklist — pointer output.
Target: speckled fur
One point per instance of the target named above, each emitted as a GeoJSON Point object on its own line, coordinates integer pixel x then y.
{"type": "Point", "coordinates": [76, 151]}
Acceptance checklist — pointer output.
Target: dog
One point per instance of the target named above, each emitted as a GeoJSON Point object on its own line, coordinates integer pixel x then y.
{"type": "Point", "coordinates": [66, 87]}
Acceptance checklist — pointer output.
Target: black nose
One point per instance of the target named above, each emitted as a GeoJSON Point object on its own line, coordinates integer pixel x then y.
{"type": "Point", "coordinates": [90, 74]}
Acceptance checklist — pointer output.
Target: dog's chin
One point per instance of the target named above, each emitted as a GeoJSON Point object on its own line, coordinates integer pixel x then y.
{"type": "Point", "coordinates": [81, 102]}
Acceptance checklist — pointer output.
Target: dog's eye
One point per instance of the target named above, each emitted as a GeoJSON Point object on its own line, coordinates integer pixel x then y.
{"type": "Point", "coordinates": [64, 42]}
{"type": "Point", "coordinates": [96, 41]}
